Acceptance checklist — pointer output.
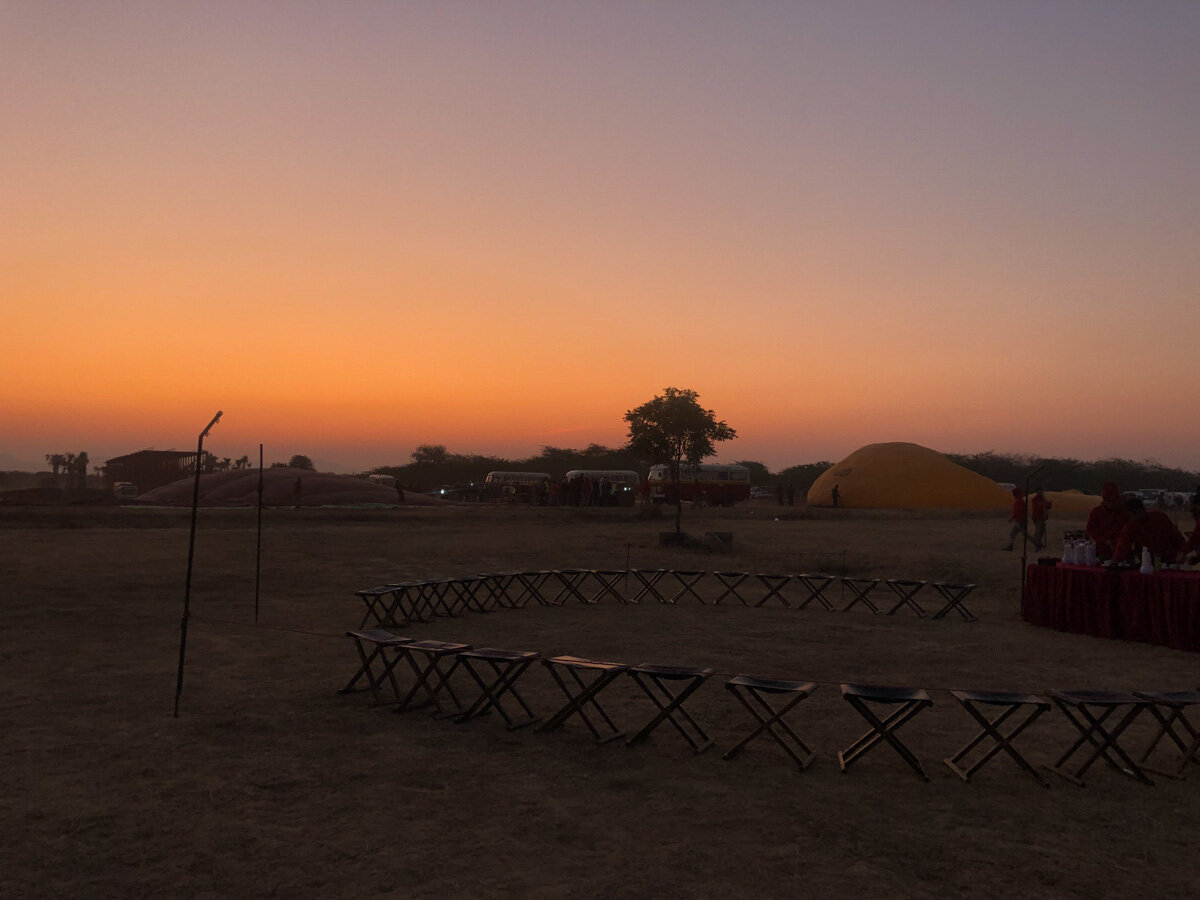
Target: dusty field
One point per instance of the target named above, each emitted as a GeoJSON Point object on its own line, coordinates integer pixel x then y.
{"type": "Point", "coordinates": [270, 783]}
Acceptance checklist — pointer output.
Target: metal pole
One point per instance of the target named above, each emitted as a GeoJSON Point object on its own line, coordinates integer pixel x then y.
{"type": "Point", "coordinates": [1025, 532]}
{"type": "Point", "coordinates": [187, 589]}
{"type": "Point", "coordinates": [258, 549]}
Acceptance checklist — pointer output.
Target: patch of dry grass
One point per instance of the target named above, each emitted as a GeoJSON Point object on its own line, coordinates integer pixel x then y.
{"type": "Point", "coordinates": [272, 784]}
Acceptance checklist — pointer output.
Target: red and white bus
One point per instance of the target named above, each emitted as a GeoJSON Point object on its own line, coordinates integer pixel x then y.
{"type": "Point", "coordinates": [720, 485]}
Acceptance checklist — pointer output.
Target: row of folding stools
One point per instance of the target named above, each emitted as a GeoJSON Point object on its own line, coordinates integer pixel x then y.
{"type": "Point", "coordinates": [1101, 718]}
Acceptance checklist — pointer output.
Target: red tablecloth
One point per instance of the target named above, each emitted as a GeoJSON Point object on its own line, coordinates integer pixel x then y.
{"type": "Point", "coordinates": [1163, 608]}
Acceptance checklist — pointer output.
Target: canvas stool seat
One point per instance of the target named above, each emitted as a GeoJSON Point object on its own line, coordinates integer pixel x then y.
{"type": "Point", "coordinates": [816, 583]}
{"type": "Point", "coordinates": [753, 694]}
{"type": "Point", "coordinates": [1176, 704]}
{"type": "Point", "coordinates": [906, 589]}
{"type": "Point", "coordinates": [1089, 712]}
{"type": "Point", "coordinates": [433, 664]}
{"type": "Point", "coordinates": [656, 682]}
{"type": "Point", "coordinates": [379, 641]}
{"type": "Point", "coordinates": [687, 585]}
{"type": "Point", "coordinates": [954, 595]}
{"type": "Point", "coordinates": [731, 583]}
{"type": "Point", "coordinates": [648, 580]}
{"type": "Point", "coordinates": [581, 681]}
{"type": "Point", "coordinates": [908, 702]}
{"type": "Point", "coordinates": [1027, 707]}
{"type": "Point", "coordinates": [774, 585]}
{"type": "Point", "coordinates": [861, 589]}
{"type": "Point", "coordinates": [506, 667]}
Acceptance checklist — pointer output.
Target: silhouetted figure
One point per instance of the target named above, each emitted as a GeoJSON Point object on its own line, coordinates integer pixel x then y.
{"type": "Point", "coordinates": [298, 490]}
{"type": "Point", "coordinates": [1038, 507]}
{"type": "Point", "coordinates": [1019, 516]}
{"type": "Point", "coordinates": [400, 493]}
{"type": "Point", "coordinates": [779, 494]}
{"type": "Point", "coordinates": [791, 495]}
{"type": "Point", "coordinates": [837, 496]}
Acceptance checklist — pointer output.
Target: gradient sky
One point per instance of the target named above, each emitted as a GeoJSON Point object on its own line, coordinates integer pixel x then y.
{"type": "Point", "coordinates": [357, 227]}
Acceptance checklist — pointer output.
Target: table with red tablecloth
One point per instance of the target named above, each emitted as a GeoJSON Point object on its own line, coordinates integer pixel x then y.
{"type": "Point", "coordinates": [1162, 608]}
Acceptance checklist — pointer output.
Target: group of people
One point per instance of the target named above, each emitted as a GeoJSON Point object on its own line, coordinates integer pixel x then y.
{"type": "Point", "coordinates": [1120, 527]}
{"type": "Point", "coordinates": [1022, 513]}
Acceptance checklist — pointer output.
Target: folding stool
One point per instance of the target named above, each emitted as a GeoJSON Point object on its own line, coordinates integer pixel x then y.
{"type": "Point", "coordinates": [954, 595]}
{"type": "Point", "coordinates": [430, 600]}
{"type": "Point", "coordinates": [651, 679]}
{"type": "Point", "coordinates": [581, 695]}
{"type": "Point", "coordinates": [383, 600]}
{"type": "Point", "coordinates": [731, 581]}
{"type": "Point", "coordinates": [1104, 743]}
{"type": "Point", "coordinates": [861, 589]}
{"type": "Point", "coordinates": [910, 701]}
{"type": "Point", "coordinates": [380, 641]}
{"type": "Point", "coordinates": [495, 589]}
{"type": "Point", "coordinates": [749, 691]}
{"type": "Point", "coordinates": [687, 582]}
{"type": "Point", "coordinates": [606, 584]}
{"type": "Point", "coordinates": [531, 587]}
{"type": "Point", "coordinates": [906, 590]}
{"type": "Point", "coordinates": [462, 594]}
{"type": "Point", "coordinates": [569, 581]}
{"type": "Point", "coordinates": [1189, 745]}
{"type": "Point", "coordinates": [815, 583]}
{"type": "Point", "coordinates": [1028, 705]}
{"type": "Point", "coordinates": [774, 585]}
{"type": "Point", "coordinates": [648, 580]}
{"type": "Point", "coordinates": [507, 666]}
{"type": "Point", "coordinates": [431, 677]}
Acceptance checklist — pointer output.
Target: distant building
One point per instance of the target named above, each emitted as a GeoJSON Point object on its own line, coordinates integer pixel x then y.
{"type": "Point", "coordinates": [149, 469]}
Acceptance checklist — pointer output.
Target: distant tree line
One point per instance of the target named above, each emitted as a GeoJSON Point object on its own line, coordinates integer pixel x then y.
{"type": "Point", "coordinates": [1080, 475]}
{"type": "Point", "coordinates": [432, 466]}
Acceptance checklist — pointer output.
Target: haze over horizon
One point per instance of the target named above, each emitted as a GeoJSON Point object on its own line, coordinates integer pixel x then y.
{"type": "Point", "coordinates": [357, 228]}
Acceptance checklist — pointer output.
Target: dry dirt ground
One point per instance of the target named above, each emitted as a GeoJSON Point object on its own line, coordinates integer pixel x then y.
{"type": "Point", "coordinates": [270, 783]}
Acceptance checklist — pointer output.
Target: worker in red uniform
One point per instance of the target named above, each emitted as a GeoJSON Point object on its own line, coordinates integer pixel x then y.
{"type": "Point", "coordinates": [1038, 507]}
{"type": "Point", "coordinates": [1106, 520]}
{"type": "Point", "coordinates": [1191, 547]}
{"type": "Point", "coordinates": [1152, 529]}
{"type": "Point", "coordinates": [1020, 513]}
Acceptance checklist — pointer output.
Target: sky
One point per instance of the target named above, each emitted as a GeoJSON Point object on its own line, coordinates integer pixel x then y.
{"type": "Point", "coordinates": [357, 227]}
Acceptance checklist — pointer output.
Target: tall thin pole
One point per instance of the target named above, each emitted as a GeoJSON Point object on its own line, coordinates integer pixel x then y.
{"type": "Point", "coordinates": [187, 589]}
{"type": "Point", "coordinates": [1025, 532]}
{"type": "Point", "coordinates": [258, 550]}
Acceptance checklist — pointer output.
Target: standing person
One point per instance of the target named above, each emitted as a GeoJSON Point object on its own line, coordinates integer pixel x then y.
{"type": "Point", "coordinates": [791, 494]}
{"type": "Point", "coordinates": [837, 496]}
{"type": "Point", "coordinates": [1019, 516]}
{"type": "Point", "coordinates": [399, 492]}
{"type": "Point", "coordinates": [298, 490]}
{"type": "Point", "coordinates": [1106, 520]}
{"type": "Point", "coordinates": [1038, 507]}
{"type": "Point", "coordinates": [1151, 529]}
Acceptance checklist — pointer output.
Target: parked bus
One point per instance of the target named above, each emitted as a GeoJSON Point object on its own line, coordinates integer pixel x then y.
{"type": "Point", "coordinates": [517, 487]}
{"type": "Point", "coordinates": [721, 485]}
{"type": "Point", "coordinates": [622, 485]}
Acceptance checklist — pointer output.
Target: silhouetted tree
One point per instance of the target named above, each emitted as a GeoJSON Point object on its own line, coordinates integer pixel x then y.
{"type": "Point", "coordinates": [674, 429]}
{"type": "Point", "coordinates": [429, 454]}
{"type": "Point", "coordinates": [300, 461]}
{"type": "Point", "coordinates": [57, 461]}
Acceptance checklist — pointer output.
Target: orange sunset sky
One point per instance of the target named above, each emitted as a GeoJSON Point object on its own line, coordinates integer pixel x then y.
{"type": "Point", "coordinates": [357, 227]}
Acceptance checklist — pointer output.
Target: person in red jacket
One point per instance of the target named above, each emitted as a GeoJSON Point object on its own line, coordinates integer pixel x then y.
{"type": "Point", "coordinates": [1152, 529]}
{"type": "Point", "coordinates": [1191, 547]}
{"type": "Point", "coordinates": [1020, 513]}
{"type": "Point", "coordinates": [1106, 520]}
